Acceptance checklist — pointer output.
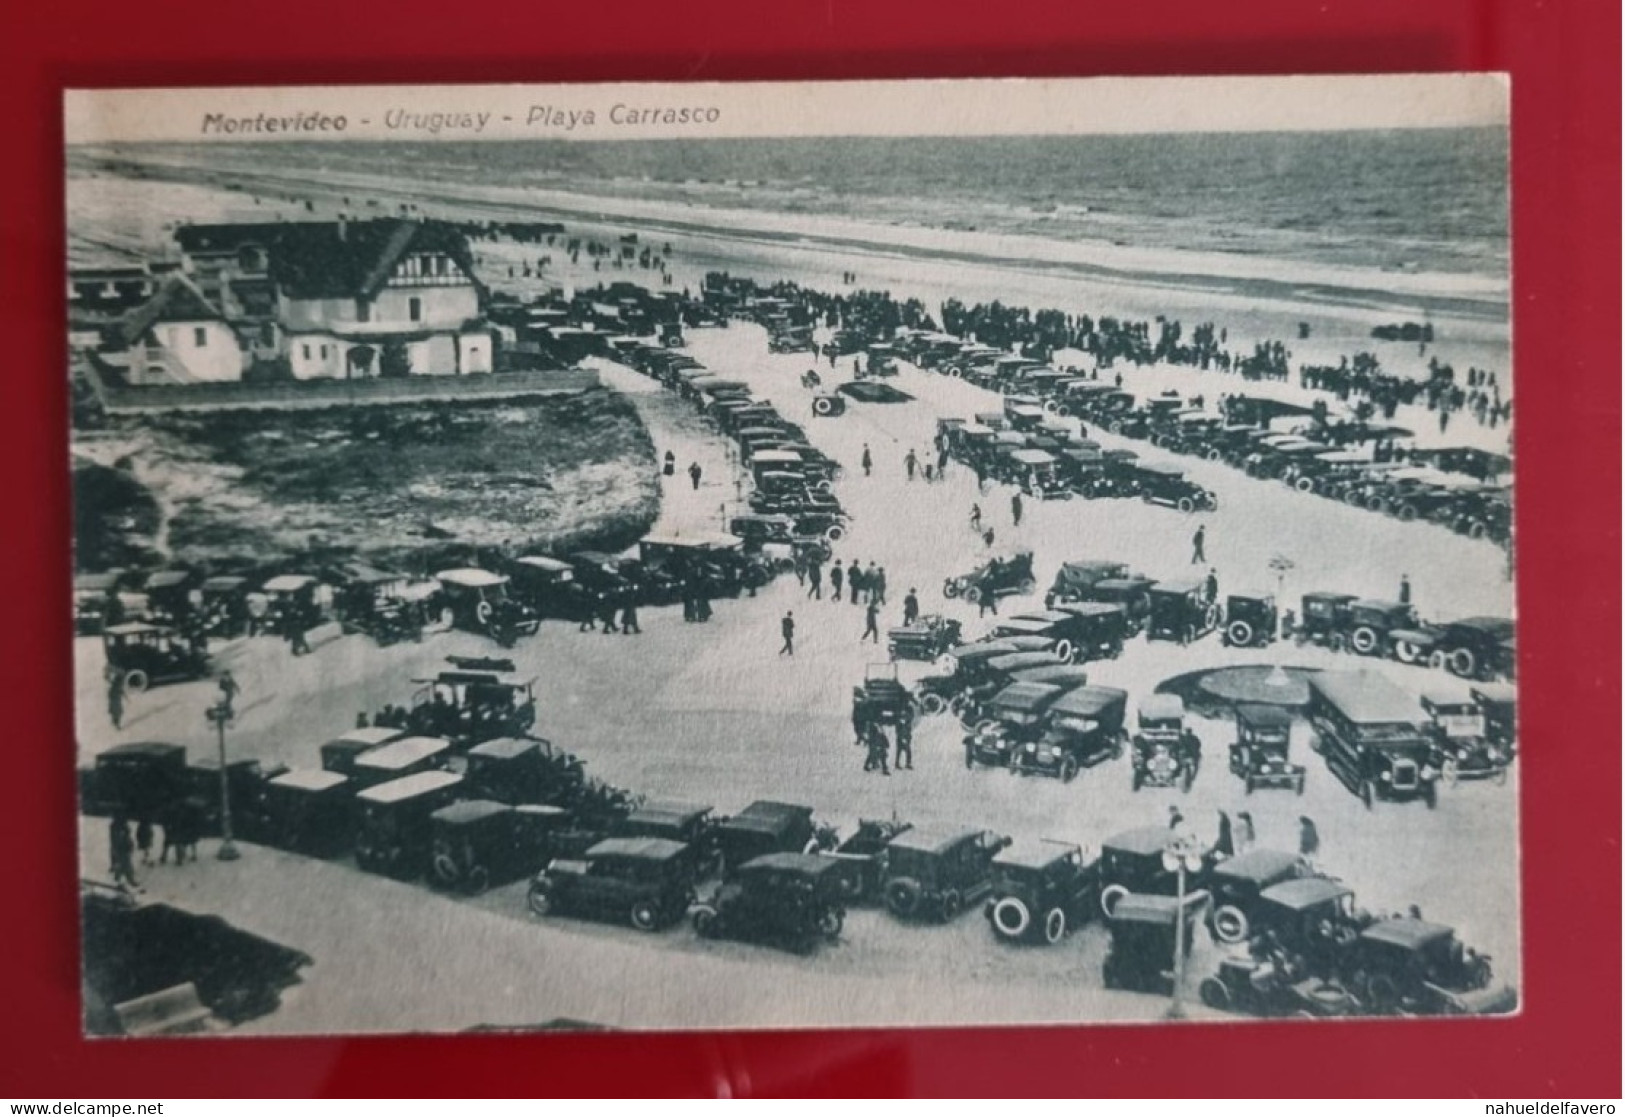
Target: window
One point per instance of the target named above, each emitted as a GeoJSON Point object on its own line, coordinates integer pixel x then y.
{"type": "Point", "coordinates": [363, 310]}
{"type": "Point", "coordinates": [414, 309]}
{"type": "Point", "coordinates": [306, 348]}
{"type": "Point", "coordinates": [324, 352]}
{"type": "Point", "coordinates": [200, 336]}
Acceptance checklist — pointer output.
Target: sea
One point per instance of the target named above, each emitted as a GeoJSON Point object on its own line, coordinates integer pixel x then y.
{"type": "Point", "coordinates": [1428, 200]}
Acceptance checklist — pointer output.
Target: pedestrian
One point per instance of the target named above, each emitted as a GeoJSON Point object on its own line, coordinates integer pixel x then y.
{"type": "Point", "coordinates": [143, 840]}
{"type": "Point", "coordinates": [904, 732]}
{"type": "Point", "coordinates": [1198, 545]}
{"type": "Point", "coordinates": [1211, 586]}
{"type": "Point", "coordinates": [191, 820]}
{"type": "Point", "coordinates": [694, 473]}
{"type": "Point", "coordinates": [799, 565]}
{"type": "Point", "coordinates": [1015, 508]}
{"type": "Point", "coordinates": [987, 538]}
{"type": "Point", "coordinates": [297, 643]}
{"type": "Point", "coordinates": [911, 607]}
{"type": "Point", "coordinates": [788, 627]}
{"type": "Point", "coordinates": [987, 602]}
{"type": "Point", "coordinates": [871, 582]}
{"type": "Point", "coordinates": [606, 614]}
{"type": "Point", "coordinates": [702, 601]}
{"type": "Point", "coordinates": [1176, 818]}
{"type": "Point", "coordinates": [629, 616]}
{"type": "Point", "coordinates": [868, 461]}
{"type": "Point", "coordinates": [669, 468]}
{"type": "Point", "coordinates": [361, 719]}
{"type": "Point", "coordinates": [121, 852]}
{"type": "Point", "coordinates": [837, 576]}
{"type": "Point", "coordinates": [1225, 846]}
{"type": "Point", "coordinates": [1308, 839]}
{"type": "Point", "coordinates": [115, 697]}
{"type": "Point", "coordinates": [1245, 835]}
{"type": "Point", "coordinates": [229, 690]}
{"type": "Point", "coordinates": [942, 461]}
{"type": "Point", "coordinates": [871, 626]}
{"type": "Point", "coordinates": [172, 824]}
{"type": "Point", "coordinates": [909, 464]}
{"type": "Point", "coordinates": [815, 580]}
{"type": "Point", "coordinates": [876, 756]}
{"type": "Point", "coordinates": [1404, 589]}
{"type": "Point", "coordinates": [854, 580]}
{"type": "Point", "coordinates": [930, 476]}
{"type": "Point", "coordinates": [880, 586]}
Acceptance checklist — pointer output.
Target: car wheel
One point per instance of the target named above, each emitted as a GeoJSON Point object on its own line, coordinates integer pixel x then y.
{"type": "Point", "coordinates": [823, 405]}
{"type": "Point", "coordinates": [540, 900]}
{"type": "Point", "coordinates": [1365, 640]}
{"type": "Point", "coordinates": [447, 617]}
{"type": "Point", "coordinates": [973, 594]}
{"type": "Point", "coordinates": [1214, 994]}
{"type": "Point", "coordinates": [950, 588]}
{"type": "Point", "coordinates": [1477, 530]}
{"type": "Point", "coordinates": [1381, 994]}
{"type": "Point", "coordinates": [1213, 455]}
{"type": "Point", "coordinates": [1054, 926]}
{"type": "Point", "coordinates": [1376, 504]}
{"type": "Point", "coordinates": [1240, 634]}
{"type": "Point", "coordinates": [835, 533]}
{"type": "Point", "coordinates": [1026, 586]}
{"type": "Point", "coordinates": [1065, 650]}
{"type": "Point", "coordinates": [1368, 793]}
{"type": "Point", "coordinates": [1304, 485]}
{"type": "Point", "coordinates": [1298, 783]}
{"type": "Point", "coordinates": [1011, 918]}
{"type": "Point", "coordinates": [1069, 769]}
{"type": "Point", "coordinates": [1406, 513]}
{"type": "Point", "coordinates": [479, 879]}
{"type": "Point", "coordinates": [445, 869]}
{"type": "Point", "coordinates": [830, 922]}
{"type": "Point", "coordinates": [932, 704]}
{"type": "Point", "coordinates": [1406, 652]}
{"type": "Point", "coordinates": [902, 898]}
{"type": "Point", "coordinates": [1437, 660]}
{"type": "Point", "coordinates": [1109, 897]}
{"type": "Point", "coordinates": [645, 916]}
{"type": "Point", "coordinates": [1186, 504]}
{"type": "Point", "coordinates": [136, 681]}
{"type": "Point", "coordinates": [1464, 663]}
{"type": "Point", "coordinates": [951, 905]}
{"type": "Point", "coordinates": [704, 920]}
{"type": "Point", "coordinates": [1230, 924]}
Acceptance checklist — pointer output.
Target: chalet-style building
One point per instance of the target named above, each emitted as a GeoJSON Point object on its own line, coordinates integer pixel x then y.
{"type": "Point", "coordinates": [308, 300]}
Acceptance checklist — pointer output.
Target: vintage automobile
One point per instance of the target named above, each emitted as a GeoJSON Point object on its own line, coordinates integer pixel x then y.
{"type": "Point", "coordinates": [997, 674]}
{"type": "Point", "coordinates": [1144, 930]}
{"type": "Point", "coordinates": [549, 587]}
{"type": "Point", "coordinates": [1166, 753]}
{"type": "Point", "coordinates": [1262, 751]}
{"type": "Point", "coordinates": [998, 577]}
{"type": "Point", "coordinates": [1037, 472]}
{"type": "Point", "coordinates": [648, 882]}
{"type": "Point", "coordinates": [795, 900]}
{"type": "Point", "coordinates": [1367, 729]}
{"type": "Point", "coordinates": [1499, 704]}
{"type": "Point", "coordinates": [225, 606]}
{"type": "Point", "coordinates": [1236, 883]}
{"type": "Point", "coordinates": [519, 770]}
{"type": "Point", "coordinates": [340, 754]}
{"type": "Point", "coordinates": [1010, 719]}
{"type": "Point", "coordinates": [1131, 863]}
{"type": "Point", "coordinates": [1472, 648]}
{"type": "Point", "coordinates": [478, 601]}
{"type": "Point", "coordinates": [1097, 630]}
{"type": "Point", "coordinates": [689, 823]}
{"type": "Point", "coordinates": [1409, 967]}
{"type": "Point", "coordinates": [927, 638]}
{"type": "Point", "coordinates": [477, 842]}
{"type": "Point", "coordinates": [1368, 623]}
{"type": "Point", "coordinates": [154, 969]}
{"type": "Point", "coordinates": [1250, 620]}
{"type": "Point", "coordinates": [392, 822]}
{"type": "Point", "coordinates": [765, 827]}
{"type": "Point", "coordinates": [387, 606]}
{"type": "Point", "coordinates": [91, 595]}
{"type": "Point", "coordinates": [150, 655]}
{"type": "Point", "coordinates": [1269, 981]}
{"type": "Point", "coordinates": [791, 339]}
{"type": "Point", "coordinates": [311, 811]}
{"type": "Point", "coordinates": [968, 677]}
{"type": "Point", "coordinates": [1459, 728]}
{"type": "Point", "coordinates": [1167, 485]}
{"type": "Point", "coordinates": [1180, 610]}
{"type": "Point", "coordinates": [467, 707]}
{"type": "Point", "coordinates": [137, 780]}
{"type": "Point", "coordinates": [1083, 728]}
{"type": "Point", "coordinates": [1324, 620]}
{"type": "Point", "coordinates": [1041, 890]}
{"type": "Point", "coordinates": [1132, 593]}
{"type": "Point", "coordinates": [401, 757]}
{"type": "Point", "coordinates": [172, 596]}
{"type": "Point", "coordinates": [1068, 633]}
{"type": "Point", "coordinates": [882, 699]}
{"type": "Point", "coordinates": [775, 539]}
{"type": "Point", "coordinates": [827, 405]}
{"type": "Point", "coordinates": [936, 873]}
{"type": "Point", "coordinates": [1074, 580]}
{"type": "Point", "coordinates": [716, 561]}
{"type": "Point", "coordinates": [864, 854]}
{"type": "Point", "coordinates": [286, 602]}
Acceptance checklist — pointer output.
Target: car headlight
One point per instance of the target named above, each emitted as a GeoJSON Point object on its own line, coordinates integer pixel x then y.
{"type": "Point", "coordinates": [1428, 772]}
{"type": "Point", "coordinates": [1032, 748]}
{"type": "Point", "coordinates": [1385, 777]}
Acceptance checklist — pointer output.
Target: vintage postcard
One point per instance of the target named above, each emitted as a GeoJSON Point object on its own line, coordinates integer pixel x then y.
{"type": "Point", "coordinates": [1053, 539]}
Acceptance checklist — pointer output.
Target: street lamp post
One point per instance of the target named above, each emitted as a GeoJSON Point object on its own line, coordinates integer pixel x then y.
{"type": "Point", "coordinates": [220, 715]}
{"type": "Point", "coordinates": [1181, 856]}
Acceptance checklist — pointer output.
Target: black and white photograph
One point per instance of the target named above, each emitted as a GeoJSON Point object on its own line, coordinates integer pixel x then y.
{"type": "Point", "coordinates": [1054, 539]}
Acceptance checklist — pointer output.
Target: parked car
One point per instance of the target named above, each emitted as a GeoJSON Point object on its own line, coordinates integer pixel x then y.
{"type": "Point", "coordinates": [937, 873]}
{"type": "Point", "coordinates": [392, 826]}
{"type": "Point", "coordinates": [1409, 967]}
{"type": "Point", "coordinates": [311, 811]}
{"type": "Point", "coordinates": [970, 676]}
{"type": "Point", "coordinates": [141, 779]}
{"type": "Point", "coordinates": [1041, 891]}
{"type": "Point", "coordinates": [882, 699]}
{"type": "Point", "coordinates": [1367, 729]}
{"type": "Point", "coordinates": [1074, 580]}
{"type": "Point", "coordinates": [1180, 610]}
{"type": "Point", "coordinates": [1132, 594]}
{"type": "Point", "coordinates": [998, 577]}
{"type": "Point", "coordinates": [478, 601]}
{"type": "Point", "coordinates": [1167, 485]}
{"type": "Point", "coordinates": [1251, 620]}
{"type": "Point", "coordinates": [1097, 630]}
{"type": "Point", "coordinates": [1473, 648]}
{"type": "Point", "coordinates": [1236, 883]}
{"type": "Point", "coordinates": [790, 899]}
{"type": "Point", "coordinates": [647, 882]}
{"type": "Point", "coordinates": [402, 757]}
{"type": "Point", "coordinates": [1261, 754]}
{"type": "Point", "coordinates": [479, 842]}
{"type": "Point", "coordinates": [1144, 929]}
{"type": "Point", "coordinates": [1068, 633]}
{"type": "Point", "coordinates": [1009, 720]}
{"type": "Point", "coordinates": [150, 655]}
{"type": "Point", "coordinates": [387, 606]}
{"type": "Point", "coordinates": [1084, 727]}
{"type": "Point", "coordinates": [340, 754]}
{"type": "Point", "coordinates": [689, 823]}
{"type": "Point", "coordinates": [927, 638]}
{"type": "Point", "coordinates": [1131, 863]}
{"type": "Point", "coordinates": [1324, 619]}
{"type": "Point", "coordinates": [225, 606]}
{"type": "Point", "coordinates": [1461, 732]}
{"type": "Point", "coordinates": [467, 707]}
{"type": "Point", "coordinates": [95, 601]}
{"type": "Point", "coordinates": [766, 827]}
{"type": "Point", "coordinates": [549, 587]}
{"type": "Point", "coordinates": [1368, 623]}
{"type": "Point", "coordinates": [1166, 753]}
{"type": "Point", "coordinates": [864, 854]}
{"type": "Point", "coordinates": [520, 770]}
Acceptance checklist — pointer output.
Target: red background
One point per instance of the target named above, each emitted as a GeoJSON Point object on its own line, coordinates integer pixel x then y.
{"type": "Point", "coordinates": [1566, 128]}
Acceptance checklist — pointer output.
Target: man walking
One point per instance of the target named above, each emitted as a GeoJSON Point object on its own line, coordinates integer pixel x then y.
{"type": "Point", "coordinates": [1211, 586]}
{"type": "Point", "coordinates": [910, 463]}
{"type": "Point", "coordinates": [868, 461]}
{"type": "Point", "coordinates": [976, 518]}
{"type": "Point", "coordinates": [854, 580]}
{"type": "Point", "coordinates": [1308, 840]}
{"type": "Point", "coordinates": [788, 627]}
{"type": "Point", "coordinates": [694, 473]}
{"type": "Point", "coordinates": [879, 587]}
{"type": "Point", "coordinates": [837, 575]}
{"type": "Point", "coordinates": [629, 616]}
{"type": "Point", "coordinates": [876, 756]}
{"type": "Point", "coordinates": [122, 853]}
{"type": "Point", "coordinates": [115, 697]}
{"type": "Point", "coordinates": [1198, 544]}
{"type": "Point", "coordinates": [1015, 508]}
{"type": "Point", "coordinates": [1404, 589]}
{"type": "Point", "coordinates": [815, 579]}
{"type": "Point", "coordinates": [871, 627]}
{"type": "Point", "coordinates": [905, 745]}
{"type": "Point", "coordinates": [911, 607]}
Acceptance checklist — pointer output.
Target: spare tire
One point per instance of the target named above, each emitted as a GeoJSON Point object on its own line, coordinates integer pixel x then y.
{"type": "Point", "coordinates": [1011, 917]}
{"type": "Point", "coordinates": [1365, 640]}
{"type": "Point", "coordinates": [1240, 633]}
{"type": "Point", "coordinates": [903, 897]}
{"type": "Point", "coordinates": [823, 405]}
{"type": "Point", "coordinates": [950, 588]}
{"type": "Point", "coordinates": [483, 611]}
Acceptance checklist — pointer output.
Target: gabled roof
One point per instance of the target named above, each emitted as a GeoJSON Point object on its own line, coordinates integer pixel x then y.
{"type": "Point", "coordinates": [177, 300]}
